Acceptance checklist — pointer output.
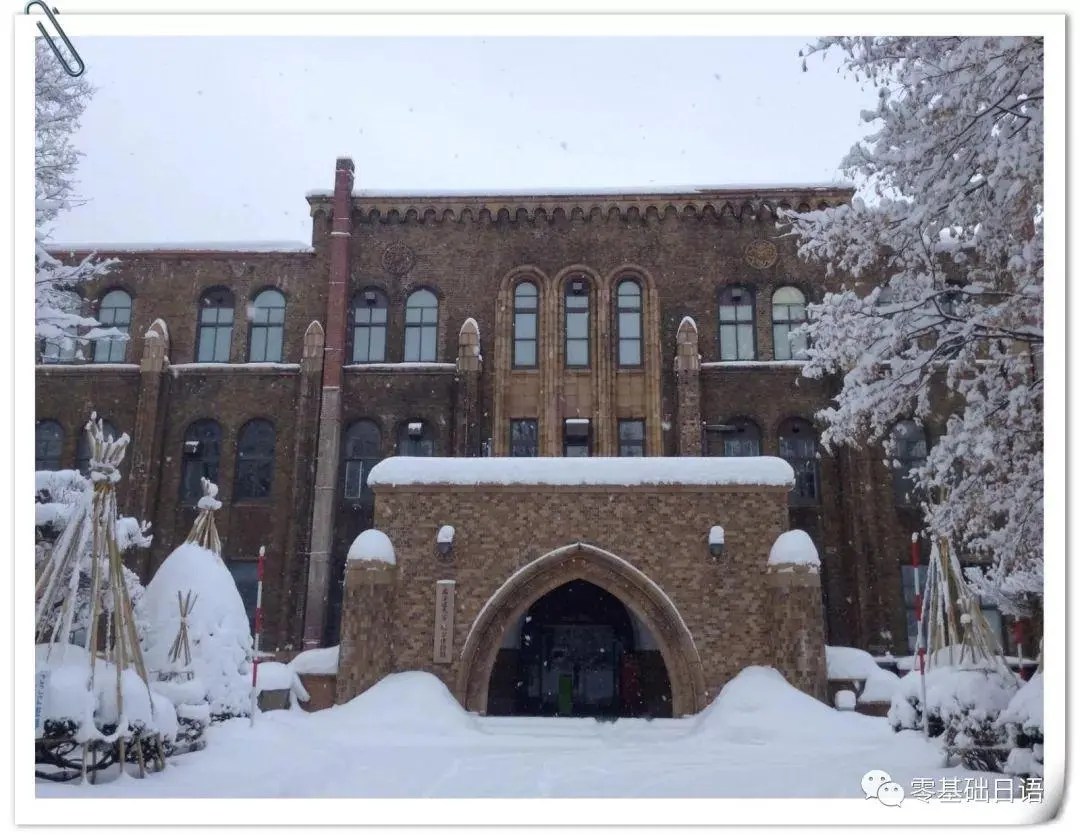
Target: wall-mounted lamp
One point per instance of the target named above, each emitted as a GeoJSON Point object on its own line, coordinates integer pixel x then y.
{"type": "Point", "coordinates": [716, 541]}
{"type": "Point", "coordinates": [444, 542]}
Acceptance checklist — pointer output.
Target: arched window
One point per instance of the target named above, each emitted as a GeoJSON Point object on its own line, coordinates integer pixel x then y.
{"type": "Point", "coordinates": [368, 314]}
{"type": "Point", "coordinates": [909, 440]}
{"type": "Point", "coordinates": [48, 445]}
{"type": "Point", "coordinates": [82, 449]}
{"type": "Point", "coordinates": [215, 325]}
{"type": "Point", "coordinates": [113, 313]}
{"type": "Point", "coordinates": [736, 323]}
{"type": "Point", "coordinates": [267, 326]}
{"type": "Point", "coordinates": [415, 439]}
{"type": "Point", "coordinates": [200, 457]}
{"type": "Point", "coordinates": [798, 446]}
{"type": "Point", "coordinates": [735, 438]}
{"type": "Point", "coordinates": [577, 322]}
{"type": "Point", "coordinates": [254, 461]}
{"type": "Point", "coordinates": [788, 314]}
{"type": "Point", "coordinates": [421, 326]}
{"type": "Point", "coordinates": [362, 450]}
{"type": "Point", "coordinates": [526, 299]}
{"type": "Point", "coordinates": [628, 299]}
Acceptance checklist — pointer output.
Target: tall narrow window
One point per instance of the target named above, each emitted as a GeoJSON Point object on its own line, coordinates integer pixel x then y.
{"type": "Point", "coordinates": [631, 438]}
{"type": "Point", "coordinates": [525, 306]}
{"type": "Point", "coordinates": [254, 461]}
{"type": "Point", "coordinates": [48, 445]}
{"type": "Point", "coordinates": [267, 326]}
{"type": "Point", "coordinates": [576, 438]}
{"type": "Point", "coordinates": [909, 440]}
{"type": "Point", "coordinates": [523, 438]}
{"type": "Point", "coordinates": [362, 450]}
{"type": "Point", "coordinates": [421, 326]}
{"type": "Point", "coordinates": [798, 446]}
{"type": "Point", "coordinates": [200, 458]}
{"type": "Point", "coordinates": [82, 449]}
{"type": "Point", "coordinates": [734, 438]}
{"type": "Point", "coordinates": [736, 324]}
{"type": "Point", "coordinates": [628, 297]}
{"type": "Point", "coordinates": [369, 327]}
{"type": "Point", "coordinates": [215, 325]}
{"type": "Point", "coordinates": [577, 323]}
{"type": "Point", "coordinates": [415, 440]}
{"type": "Point", "coordinates": [113, 313]}
{"type": "Point", "coordinates": [788, 314]}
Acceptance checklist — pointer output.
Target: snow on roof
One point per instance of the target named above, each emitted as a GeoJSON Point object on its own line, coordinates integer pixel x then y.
{"type": "Point", "coordinates": [585, 471]}
{"type": "Point", "coordinates": [794, 548]}
{"type": "Point", "coordinates": [322, 661]}
{"type": "Point", "coordinates": [588, 191]}
{"type": "Point", "coordinates": [139, 247]}
{"type": "Point", "coordinates": [374, 546]}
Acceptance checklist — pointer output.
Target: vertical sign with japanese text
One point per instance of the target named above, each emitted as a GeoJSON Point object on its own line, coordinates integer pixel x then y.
{"type": "Point", "coordinates": [444, 621]}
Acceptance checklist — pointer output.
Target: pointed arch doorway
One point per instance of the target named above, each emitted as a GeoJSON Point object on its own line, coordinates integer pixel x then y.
{"type": "Point", "coordinates": [593, 612]}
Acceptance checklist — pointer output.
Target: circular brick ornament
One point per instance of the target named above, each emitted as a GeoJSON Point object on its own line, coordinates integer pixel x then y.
{"type": "Point", "coordinates": [760, 254]}
{"type": "Point", "coordinates": [398, 258]}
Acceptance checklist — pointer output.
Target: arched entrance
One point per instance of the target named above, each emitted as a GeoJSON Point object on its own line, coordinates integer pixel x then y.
{"type": "Point", "coordinates": [628, 599]}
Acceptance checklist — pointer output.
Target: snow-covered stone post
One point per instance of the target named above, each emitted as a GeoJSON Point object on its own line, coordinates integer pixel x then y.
{"type": "Point", "coordinates": [794, 586]}
{"type": "Point", "coordinates": [469, 365]}
{"type": "Point", "coordinates": [688, 387]}
{"type": "Point", "coordinates": [366, 653]}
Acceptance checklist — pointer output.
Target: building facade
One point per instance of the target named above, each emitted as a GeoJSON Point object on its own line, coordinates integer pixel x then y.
{"type": "Point", "coordinates": [655, 324]}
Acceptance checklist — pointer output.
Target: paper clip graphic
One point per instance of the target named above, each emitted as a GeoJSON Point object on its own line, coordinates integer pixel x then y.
{"type": "Point", "coordinates": [49, 13]}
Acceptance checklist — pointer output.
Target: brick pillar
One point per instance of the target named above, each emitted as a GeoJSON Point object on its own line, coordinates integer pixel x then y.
{"type": "Point", "coordinates": [688, 388]}
{"type": "Point", "coordinates": [146, 436]}
{"type": "Point", "coordinates": [467, 401]}
{"type": "Point", "coordinates": [794, 593]}
{"type": "Point", "coordinates": [326, 470]}
{"type": "Point", "coordinates": [367, 625]}
{"type": "Point", "coordinates": [297, 541]}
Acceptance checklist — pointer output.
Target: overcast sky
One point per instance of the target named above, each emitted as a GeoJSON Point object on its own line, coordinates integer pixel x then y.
{"type": "Point", "coordinates": [196, 139]}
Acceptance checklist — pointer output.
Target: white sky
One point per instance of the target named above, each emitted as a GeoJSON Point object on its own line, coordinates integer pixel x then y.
{"type": "Point", "coordinates": [197, 139]}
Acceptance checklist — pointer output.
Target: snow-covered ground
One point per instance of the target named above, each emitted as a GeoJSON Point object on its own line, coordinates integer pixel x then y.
{"type": "Point", "coordinates": [407, 737]}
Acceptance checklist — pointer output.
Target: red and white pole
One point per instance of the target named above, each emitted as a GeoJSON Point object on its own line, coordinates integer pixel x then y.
{"type": "Point", "coordinates": [258, 634]}
{"type": "Point", "coordinates": [920, 640]}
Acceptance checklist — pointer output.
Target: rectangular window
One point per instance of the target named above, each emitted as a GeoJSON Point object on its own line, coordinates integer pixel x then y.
{"type": "Point", "coordinates": [523, 438]}
{"type": "Point", "coordinates": [577, 329]}
{"type": "Point", "coordinates": [525, 339]}
{"type": "Point", "coordinates": [354, 478]}
{"type": "Point", "coordinates": [630, 339]}
{"type": "Point", "coordinates": [245, 574]}
{"type": "Point", "coordinates": [631, 438]}
{"type": "Point", "coordinates": [576, 438]}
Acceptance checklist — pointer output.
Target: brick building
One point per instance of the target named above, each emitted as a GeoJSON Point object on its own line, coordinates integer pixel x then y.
{"type": "Point", "coordinates": [616, 324]}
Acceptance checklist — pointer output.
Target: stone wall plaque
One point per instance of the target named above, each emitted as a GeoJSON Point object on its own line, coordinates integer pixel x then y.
{"type": "Point", "coordinates": [444, 621]}
{"type": "Point", "coordinates": [760, 254]}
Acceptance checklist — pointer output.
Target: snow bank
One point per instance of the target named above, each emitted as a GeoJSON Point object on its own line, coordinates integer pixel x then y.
{"type": "Point", "coordinates": [319, 662]}
{"type": "Point", "coordinates": [372, 545]}
{"type": "Point", "coordinates": [1025, 709]}
{"type": "Point", "coordinates": [794, 548]}
{"type": "Point", "coordinates": [218, 629]}
{"type": "Point", "coordinates": [584, 471]}
{"type": "Point", "coordinates": [411, 703]}
{"type": "Point", "coordinates": [859, 665]}
{"type": "Point", "coordinates": [951, 693]}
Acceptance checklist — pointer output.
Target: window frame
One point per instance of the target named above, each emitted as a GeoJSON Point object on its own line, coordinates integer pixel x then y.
{"type": "Point", "coordinates": [638, 441]}
{"type": "Point", "coordinates": [568, 293]}
{"type": "Point", "coordinates": [734, 323]}
{"type": "Point", "coordinates": [788, 323]}
{"type": "Point", "coordinates": [724, 435]}
{"type": "Point", "coordinates": [191, 495]}
{"type": "Point", "coordinates": [903, 486]}
{"type": "Point", "coordinates": [382, 303]}
{"type": "Point", "coordinates": [365, 461]}
{"type": "Point", "coordinates": [534, 313]}
{"type": "Point", "coordinates": [57, 441]}
{"type": "Point", "coordinates": [253, 462]}
{"type": "Point", "coordinates": [204, 327]}
{"type": "Point", "coordinates": [620, 310]}
{"type": "Point", "coordinates": [805, 466]}
{"type": "Point", "coordinates": [111, 355]}
{"type": "Point", "coordinates": [422, 326]}
{"type": "Point", "coordinates": [253, 325]}
{"type": "Point", "coordinates": [526, 421]}
{"type": "Point", "coordinates": [566, 437]}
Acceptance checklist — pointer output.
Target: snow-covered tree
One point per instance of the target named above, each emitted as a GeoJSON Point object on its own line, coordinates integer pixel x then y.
{"type": "Point", "coordinates": [59, 102]}
{"type": "Point", "coordinates": [948, 222]}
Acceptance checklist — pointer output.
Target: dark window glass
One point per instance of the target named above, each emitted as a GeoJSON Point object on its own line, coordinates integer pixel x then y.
{"type": "Point", "coordinates": [525, 337]}
{"type": "Point", "coordinates": [788, 314]}
{"type": "Point", "coordinates": [631, 438]}
{"type": "Point", "coordinates": [114, 313]}
{"type": "Point", "coordinates": [628, 297]}
{"type": "Point", "coordinates": [910, 453]}
{"type": "Point", "coordinates": [245, 573]}
{"type": "Point", "coordinates": [415, 440]}
{"type": "Point", "coordinates": [576, 438]}
{"type": "Point", "coordinates": [201, 455]}
{"type": "Point", "coordinates": [736, 324]}
{"type": "Point", "coordinates": [254, 461]}
{"type": "Point", "coordinates": [362, 449]}
{"type": "Point", "coordinates": [215, 325]}
{"type": "Point", "coordinates": [907, 578]}
{"type": "Point", "coordinates": [82, 448]}
{"type": "Point", "coordinates": [267, 326]}
{"type": "Point", "coordinates": [523, 438]}
{"type": "Point", "coordinates": [421, 326]}
{"type": "Point", "coordinates": [734, 438]}
{"type": "Point", "coordinates": [798, 446]}
{"type": "Point", "coordinates": [48, 445]}
{"type": "Point", "coordinates": [577, 323]}
{"type": "Point", "coordinates": [369, 327]}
